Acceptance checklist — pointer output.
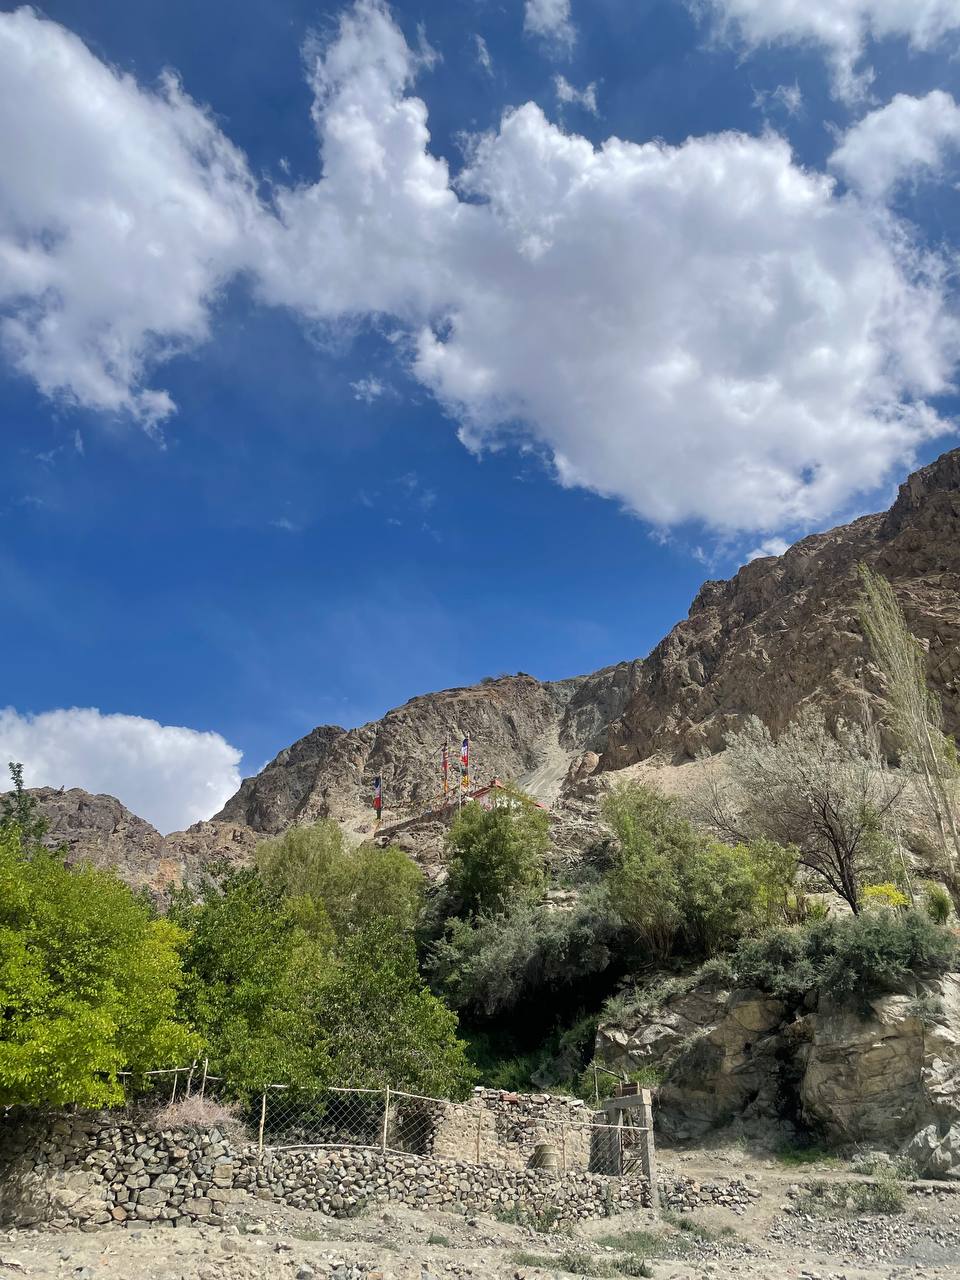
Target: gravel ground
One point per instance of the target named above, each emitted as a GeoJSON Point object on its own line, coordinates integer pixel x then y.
{"type": "Point", "coordinates": [769, 1238]}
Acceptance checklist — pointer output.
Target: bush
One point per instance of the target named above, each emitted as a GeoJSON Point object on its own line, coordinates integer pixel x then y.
{"type": "Point", "coordinates": [496, 855]}
{"type": "Point", "coordinates": [490, 964]}
{"type": "Point", "coordinates": [937, 902]}
{"type": "Point", "coordinates": [196, 1112]}
{"type": "Point", "coordinates": [331, 887]}
{"type": "Point", "coordinates": [88, 981]}
{"type": "Point", "coordinates": [866, 954]}
{"type": "Point", "coordinates": [884, 896]}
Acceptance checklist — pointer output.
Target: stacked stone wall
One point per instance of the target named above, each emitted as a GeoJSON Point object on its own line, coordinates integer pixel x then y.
{"type": "Point", "coordinates": [505, 1128]}
{"type": "Point", "coordinates": [96, 1169]}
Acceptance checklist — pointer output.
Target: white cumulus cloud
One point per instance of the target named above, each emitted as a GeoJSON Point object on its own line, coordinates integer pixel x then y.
{"type": "Point", "coordinates": [550, 20]}
{"type": "Point", "coordinates": [908, 139]}
{"type": "Point", "coordinates": [122, 210]}
{"type": "Point", "coordinates": [704, 331]}
{"type": "Point", "coordinates": [169, 775]}
{"type": "Point", "coordinates": [842, 28]}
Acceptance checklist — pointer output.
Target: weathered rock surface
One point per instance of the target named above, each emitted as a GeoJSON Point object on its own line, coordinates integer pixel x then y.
{"type": "Point", "coordinates": [882, 1073]}
{"type": "Point", "coordinates": [100, 830]}
{"type": "Point", "coordinates": [783, 630]}
{"type": "Point", "coordinates": [520, 729]}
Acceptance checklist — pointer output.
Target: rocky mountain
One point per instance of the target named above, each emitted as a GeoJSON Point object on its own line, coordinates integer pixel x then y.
{"type": "Point", "coordinates": [781, 632]}
{"type": "Point", "coordinates": [520, 728]}
{"type": "Point", "coordinates": [100, 830]}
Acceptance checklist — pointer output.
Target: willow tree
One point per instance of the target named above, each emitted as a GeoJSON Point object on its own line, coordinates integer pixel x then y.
{"type": "Point", "coordinates": [916, 716]}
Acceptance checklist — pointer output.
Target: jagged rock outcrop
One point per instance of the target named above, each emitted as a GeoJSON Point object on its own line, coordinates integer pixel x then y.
{"type": "Point", "coordinates": [520, 729]}
{"type": "Point", "coordinates": [878, 1072]}
{"type": "Point", "coordinates": [783, 631]}
{"type": "Point", "coordinates": [100, 830]}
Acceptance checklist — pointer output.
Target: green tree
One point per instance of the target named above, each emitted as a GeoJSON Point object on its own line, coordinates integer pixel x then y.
{"type": "Point", "coordinates": [382, 1026]}
{"type": "Point", "coordinates": [490, 964]}
{"type": "Point", "coordinates": [20, 809]}
{"type": "Point", "coordinates": [88, 981]}
{"type": "Point", "coordinates": [497, 855]}
{"type": "Point", "coordinates": [916, 717]}
{"type": "Point", "coordinates": [674, 885]}
{"type": "Point", "coordinates": [311, 866]}
{"type": "Point", "coordinates": [253, 976]}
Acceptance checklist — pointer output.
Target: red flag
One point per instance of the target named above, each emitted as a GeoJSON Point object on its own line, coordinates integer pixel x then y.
{"type": "Point", "coordinates": [465, 763]}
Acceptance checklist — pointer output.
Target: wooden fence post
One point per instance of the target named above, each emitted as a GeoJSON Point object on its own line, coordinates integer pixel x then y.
{"type": "Point", "coordinates": [173, 1092]}
{"type": "Point", "coordinates": [263, 1122]}
{"type": "Point", "coordinates": [203, 1082]}
{"type": "Point", "coordinates": [648, 1149]}
{"type": "Point", "coordinates": [386, 1117]}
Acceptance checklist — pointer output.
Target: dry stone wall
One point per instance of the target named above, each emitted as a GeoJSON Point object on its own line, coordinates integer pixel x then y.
{"type": "Point", "coordinates": [506, 1128]}
{"type": "Point", "coordinates": [96, 1169]}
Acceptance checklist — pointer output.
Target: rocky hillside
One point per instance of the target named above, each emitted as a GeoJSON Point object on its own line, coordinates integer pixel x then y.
{"type": "Point", "coordinates": [100, 830]}
{"type": "Point", "coordinates": [520, 728]}
{"type": "Point", "coordinates": [781, 632]}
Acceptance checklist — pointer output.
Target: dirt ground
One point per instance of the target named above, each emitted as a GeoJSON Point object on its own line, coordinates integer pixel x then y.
{"type": "Point", "coordinates": [772, 1239]}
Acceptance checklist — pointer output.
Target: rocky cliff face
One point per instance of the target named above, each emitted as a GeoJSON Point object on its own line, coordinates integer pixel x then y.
{"type": "Point", "coordinates": [783, 631]}
{"type": "Point", "coordinates": [100, 830]}
{"type": "Point", "coordinates": [520, 729]}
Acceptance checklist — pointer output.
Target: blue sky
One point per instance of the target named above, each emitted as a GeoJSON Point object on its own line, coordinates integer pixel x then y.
{"type": "Point", "coordinates": [236, 355]}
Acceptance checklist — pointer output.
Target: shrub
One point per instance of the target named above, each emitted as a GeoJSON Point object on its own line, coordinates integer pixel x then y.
{"type": "Point", "coordinates": [490, 964]}
{"type": "Point", "coordinates": [937, 902]}
{"type": "Point", "coordinates": [496, 855]}
{"type": "Point", "coordinates": [866, 954]}
{"type": "Point", "coordinates": [196, 1112]}
{"type": "Point", "coordinates": [885, 896]}
{"type": "Point", "coordinates": [88, 981]}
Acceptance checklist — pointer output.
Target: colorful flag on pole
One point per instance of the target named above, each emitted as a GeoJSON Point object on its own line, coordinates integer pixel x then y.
{"type": "Point", "coordinates": [465, 763]}
{"type": "Point", "coordinates": [378, 796]}
{"type": "Point", "coordinates": [445, 769]}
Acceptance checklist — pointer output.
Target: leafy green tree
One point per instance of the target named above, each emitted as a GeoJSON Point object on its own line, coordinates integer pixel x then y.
{"type": "Point", "coordinates": [311, 866]}
{"type": "Point", "coordinates": [497, 855]}
{"type": "Point", "coordinates": [253, 976]}
{"type": "Point", "coordinates": [674, 885]}
{"type": "Point", "coordinates": [19, 809]}
{"type": "Point", "coordinates": [382, 1026]}
{"type": "Point", "coordinates": [88, 981]}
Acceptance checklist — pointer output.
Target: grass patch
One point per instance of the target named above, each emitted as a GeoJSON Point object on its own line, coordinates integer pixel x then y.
{"type": "Point", "coordinates": [434, 1238]}
{"type": "Point", "coordinates": [683, 1222]}
{"type": "Point", "coordinates": [523, 1215]}
{"type": "Point", "coordinates": [648, 1244]}
{"type": "Point", "coordinates": [843, 1199]}
{"type": "Point", "coordinates": [585, 1264]}
{"type": "Point", "coordinates": [792, 1156]}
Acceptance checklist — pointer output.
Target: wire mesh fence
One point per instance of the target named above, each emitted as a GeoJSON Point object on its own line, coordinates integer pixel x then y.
{"type": "Point", "coordinates": [396, 1122]}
